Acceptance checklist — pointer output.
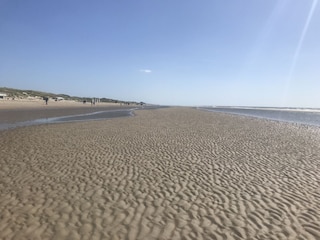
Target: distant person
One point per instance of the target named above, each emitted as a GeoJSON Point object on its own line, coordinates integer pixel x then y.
{"type": "Point", "coordinates": [46, 100]}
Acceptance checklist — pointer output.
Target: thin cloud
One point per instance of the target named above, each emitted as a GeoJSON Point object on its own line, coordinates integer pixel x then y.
{"type": "Point", "coordinates": [145, 70]}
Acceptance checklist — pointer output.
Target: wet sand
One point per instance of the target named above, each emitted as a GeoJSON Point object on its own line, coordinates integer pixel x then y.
{"type": "Point", "coordinates": [174, 173]}
{"type": "Point", "coordinates": [15, 111]}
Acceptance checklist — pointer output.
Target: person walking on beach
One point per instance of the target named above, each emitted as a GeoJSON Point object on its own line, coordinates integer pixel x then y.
{"type": "Point", "coordinates": [46, 99]}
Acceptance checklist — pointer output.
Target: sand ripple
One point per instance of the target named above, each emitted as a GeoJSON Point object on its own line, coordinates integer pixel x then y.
{"type": "Point", "coordinates": [164, 174]}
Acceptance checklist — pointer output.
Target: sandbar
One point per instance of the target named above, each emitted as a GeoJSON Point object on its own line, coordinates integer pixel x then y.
{"type": "Point", "coordinates": [172, 173]}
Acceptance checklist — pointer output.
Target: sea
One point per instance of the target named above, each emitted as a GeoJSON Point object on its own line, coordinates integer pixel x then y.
{"type": "Point", "coordinates": [308, 116]}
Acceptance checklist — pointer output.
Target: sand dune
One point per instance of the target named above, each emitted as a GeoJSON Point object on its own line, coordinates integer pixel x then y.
{"type": "Point", "coordinates": [163, 174]}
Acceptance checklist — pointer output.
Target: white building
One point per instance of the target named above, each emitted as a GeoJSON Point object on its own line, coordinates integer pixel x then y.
{"type": "Point", "coordinates": [58, 99]}
{"type": "Point", "coordinates": [3, 95]}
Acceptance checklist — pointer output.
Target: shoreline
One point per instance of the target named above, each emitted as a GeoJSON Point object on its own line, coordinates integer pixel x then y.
{"type": "Point", "coordinates": [309, 118]}
{"type": "Point", "coordinates": [91, 116]}
{"type": "Point", "coordinates": [168, 173]}
{"type": "Point", "coordinates": [17, 111]}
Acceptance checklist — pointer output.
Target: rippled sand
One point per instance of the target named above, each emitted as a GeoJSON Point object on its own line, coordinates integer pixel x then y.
{"type": "Point", "coordinates": [163, 174]}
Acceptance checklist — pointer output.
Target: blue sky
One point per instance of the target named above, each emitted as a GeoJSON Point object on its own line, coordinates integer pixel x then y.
{"type": "Point", "coordinates": [207, 52]}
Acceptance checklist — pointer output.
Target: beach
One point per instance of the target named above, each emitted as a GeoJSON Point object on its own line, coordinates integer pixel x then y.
{"type": "Point", "coordinates": [20, 111]}
{"type": "Point", "coordinates": [171, 173]}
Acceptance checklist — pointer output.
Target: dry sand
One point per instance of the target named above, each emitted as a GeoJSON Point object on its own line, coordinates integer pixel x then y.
{"type": "Point", "coordinates": [25, 103]}
{"type": "Point", "coordinates": [163, 174]}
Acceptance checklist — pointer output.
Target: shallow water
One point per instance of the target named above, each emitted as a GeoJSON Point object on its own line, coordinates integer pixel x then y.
{"type": "Point", "coordinates": [301, 116]}
{"type": "Point", "coordinates": [115, 113]}
{"type": "Point", "coordinates": [73, 118]}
